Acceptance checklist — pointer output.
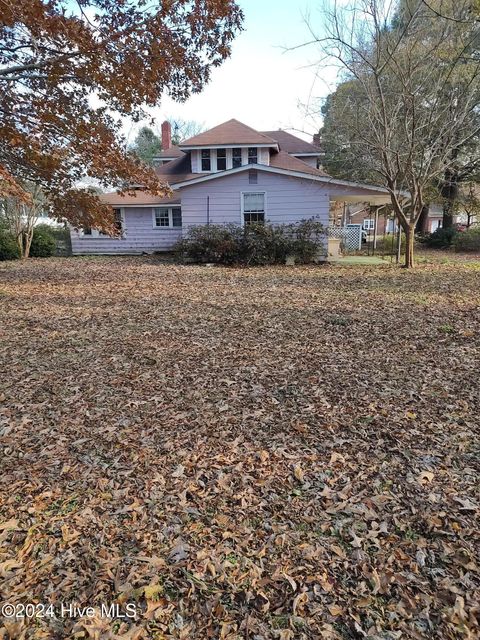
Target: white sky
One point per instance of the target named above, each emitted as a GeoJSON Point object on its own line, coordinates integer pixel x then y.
{"type": "Point", "coordinates": [261, 84]}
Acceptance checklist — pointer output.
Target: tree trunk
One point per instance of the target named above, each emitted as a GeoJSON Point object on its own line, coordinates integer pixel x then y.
{"type": "Point", "coordinates": [410, 237]}
{"type": "Point", "coordinates": [449, 191]}
{"type": "Point", "coordinates": [27, 243]}
{"type": "Point", "coordinates": [422, 224]}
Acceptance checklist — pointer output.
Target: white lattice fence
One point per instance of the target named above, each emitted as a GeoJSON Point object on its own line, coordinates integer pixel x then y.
{"type": "Point", "coordinates": [350, 237]}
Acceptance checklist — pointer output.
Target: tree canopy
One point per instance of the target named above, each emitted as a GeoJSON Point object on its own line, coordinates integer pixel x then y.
{"type": "Point", "coordinates": [70, 70]}
{"type": "Point", "coordinates": [409, 109]}
{"type": "Point", "coordinates": [147, 145]}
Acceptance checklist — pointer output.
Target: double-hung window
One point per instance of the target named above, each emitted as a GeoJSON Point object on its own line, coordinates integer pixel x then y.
{"type": "Point", "coordinates": [118, 223]}
{"type": "Point", "coordinates": [221, 159]}
{"type": "Point", "coordinates": [236, 158]}
{"type": "Point", "coordinates": [368, 223]}
{"type": "Point", "coordinates": [206, 162]}
{"type": "Point", "coordinates": [254, 208]}
{"type": "Point", "coordinates": [252, 155]}
{"type": "Point", "coordinates": [118, 220]}
{"type": "Point", "coordinates": [167, 217]}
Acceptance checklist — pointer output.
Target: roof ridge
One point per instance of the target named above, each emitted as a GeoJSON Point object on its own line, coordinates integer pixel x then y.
{"type": "Point", "coordinates": [197, 139]}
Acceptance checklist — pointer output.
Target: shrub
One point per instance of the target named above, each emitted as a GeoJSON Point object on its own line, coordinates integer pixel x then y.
{"type": "Point", "coordinates": [467, 240]}
{"type": "Point", "coordinates": [441, 238]}
{"type": "Point", "coordinates": [388, 244]}
{"type": "Point", "coordinates": [255, 244]}
{"type": "Point", "coordinates": [8, 247]}
{"type": "Point", "coordinates": [43, 242]}
{"type": "Point", "coordinates": [209, 243]}
{"type": "Point", "coordinates": [308, 239]}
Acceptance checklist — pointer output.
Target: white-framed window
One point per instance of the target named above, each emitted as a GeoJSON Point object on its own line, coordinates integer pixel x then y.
{"type": "Point", "coordinates": [236, 158]}
{"type": "Point", "coordinates": [206, 162]}
{"type": "Point", "coordinates": [253, 207]}
{"type": "Point", "coordinates": [252, 155]}
{"type": "Point", "coordinates": [167, 217]}
{"type": "Point", "coordinates": [369, 223]}
{"type": "Point", "coordinates": [119, 222]}
{"type": "Point", "coordinates": [221, 159]}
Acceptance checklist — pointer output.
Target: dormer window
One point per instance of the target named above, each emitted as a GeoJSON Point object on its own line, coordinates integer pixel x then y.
{"type": "Point", "coordinates": [221, 159]}
{"type": "Point", "coordinates": [236, 158]}
{"type": "Point", "coordinates": [252, 155]}
{"type": "Point", "coordinates": [206, 164]}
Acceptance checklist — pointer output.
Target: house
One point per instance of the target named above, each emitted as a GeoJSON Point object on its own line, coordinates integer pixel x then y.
{"type": "Point", "coordinates": [229, 174]}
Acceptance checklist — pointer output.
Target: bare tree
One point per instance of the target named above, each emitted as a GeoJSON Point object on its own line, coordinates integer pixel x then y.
{"type": "Point", "coordinates": [417, 83]}
{"type": "Point", "coordinates": [21, 217]}
{"type": "Point", "coordinates": [469, 203]}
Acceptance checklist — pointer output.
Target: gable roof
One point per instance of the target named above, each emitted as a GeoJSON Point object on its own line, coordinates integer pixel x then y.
{"type": "Point", "coordinates": [283, 160]}
{"type": "Point", "coordinates": [230, 132]}
{"type": "Point", "coordinates": [292, 144]}
{"type": "Point", "coordinates": [180, 170]}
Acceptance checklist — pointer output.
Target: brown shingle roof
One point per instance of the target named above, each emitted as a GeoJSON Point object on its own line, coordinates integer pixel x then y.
{"type": "Point", "coordinates": [180, 170]}
{"type": "Point", "coordinates": [282, 160]}
{"type": "Point", "coordinates": [172, 152]}
{"type": "Point", "coordinates": [290, 143]}
{"type": "Point", "coordinates": [177, 170]}
{"type": "Point", "coordinates": [140, 198]}
{"type": "Point", "coordinates": [231, 132]}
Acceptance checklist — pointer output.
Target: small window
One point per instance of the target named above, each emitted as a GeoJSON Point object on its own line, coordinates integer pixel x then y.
{"type": "Point", "coordinates": [162, 219]}
{"type": "Point", "coordinates": [118, 222]}
{"type": "Point", "coordinates": [252, 155]}
{"type": "Point", "coordinates": [165, 217]}
{"type": "Point", "coordinates": [253, 176]}
{"type": "Point", "coordinates": [236, 158]}
{"type": "Point", "coordinates": [206, 164]}
{"type": "Point", "coordinates": [221, 159]}
{"type": "Point", "coordinates": [254, 208]}
{"type": "Point", "coordinates": [176, 217]}
{"type": "Point", "coordinates": [368, 223]}
{"type": "Point", "coordinates": [87, 231]}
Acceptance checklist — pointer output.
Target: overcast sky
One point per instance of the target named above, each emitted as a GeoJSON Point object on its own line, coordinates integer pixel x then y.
{"type": "Point", "coordinates": [261, 84]}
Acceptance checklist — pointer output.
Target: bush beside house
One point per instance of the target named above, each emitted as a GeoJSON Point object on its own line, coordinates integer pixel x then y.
{"type": "Point", "coordinates": [8, 247]}
{"type": "Point", "coordinates": [43, 242]}
{"type": "Point", "coordinates": [254, 244]}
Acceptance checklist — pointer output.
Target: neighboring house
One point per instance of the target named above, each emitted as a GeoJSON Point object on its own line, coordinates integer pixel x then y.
{"type": "Point", "coordinates": [361, 214]}
{"type": "Point", "coordinates": [229, 174]}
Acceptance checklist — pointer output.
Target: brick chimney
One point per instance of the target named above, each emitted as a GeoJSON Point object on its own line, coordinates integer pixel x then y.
{"type": "Point", "coordinates": [166, 135]}
{"type": "Point", "coordinates": [316, 139]}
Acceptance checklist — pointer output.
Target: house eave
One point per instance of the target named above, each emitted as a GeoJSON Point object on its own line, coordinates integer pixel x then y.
{"type": "Point", "coordinates": [229, 145]}
{"type": "Point", "coordinates": [306, 155]}
{"type": "Point", "coordinates": [381, 191]}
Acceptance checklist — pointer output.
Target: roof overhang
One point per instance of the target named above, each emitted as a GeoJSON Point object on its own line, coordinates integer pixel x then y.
{"type": "Point", "coordinates": [229, 145]}
{"type": "Point", "coordinates": [299, 154]}
{"type": "Point", "coordinates": [346, 191]}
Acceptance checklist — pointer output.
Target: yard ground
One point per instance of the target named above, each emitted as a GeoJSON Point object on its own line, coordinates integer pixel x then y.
{"type": "Point", "coordinates": [285, 453]}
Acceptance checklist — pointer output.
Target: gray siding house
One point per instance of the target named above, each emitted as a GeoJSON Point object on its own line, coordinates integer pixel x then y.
{"type": "Point", "coordinates": [229, 174]}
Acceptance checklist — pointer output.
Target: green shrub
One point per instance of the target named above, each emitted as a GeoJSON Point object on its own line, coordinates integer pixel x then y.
{"type": "Point", "coordinates": [388, 244]}
{"type": "Point", "coordinates": [467, 240]}
{"type": "Point", "coordinates": [254, 244]}
{"type": "Point", "coordinates": [8, 247]}
{"type": "Point", "coordinates": [308, 239]}
{"type": "Point", "coordinates": [43, 242]}
{"type": "Point", "coordinates": [209, 243]}
{"type": "Point", "coordinates": [441, 238]}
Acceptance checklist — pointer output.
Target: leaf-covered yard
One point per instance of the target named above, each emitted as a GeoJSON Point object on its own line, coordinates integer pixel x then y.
{"type": "Point", "coordinates": [284, 453]}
